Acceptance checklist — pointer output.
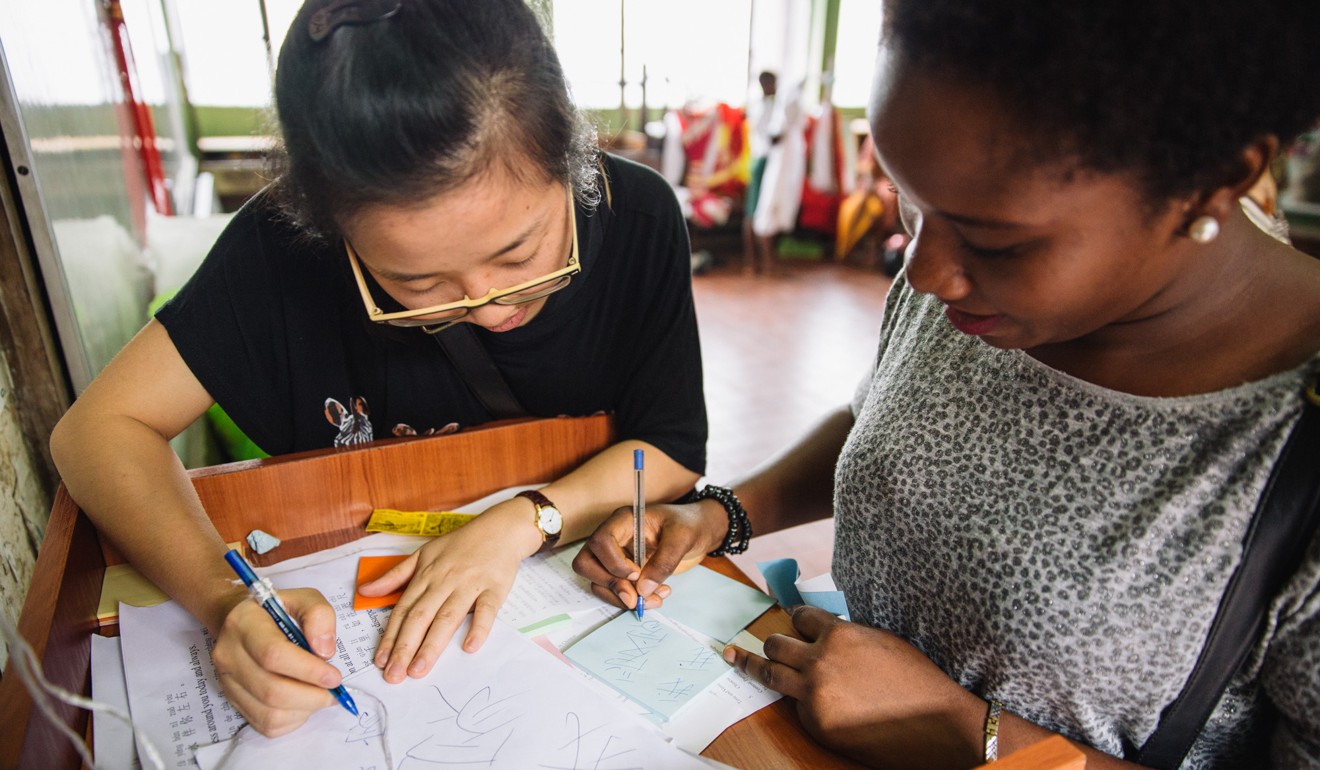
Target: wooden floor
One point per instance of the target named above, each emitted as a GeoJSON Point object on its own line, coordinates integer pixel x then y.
{"type": "Point", "coordinates": [779, 353]}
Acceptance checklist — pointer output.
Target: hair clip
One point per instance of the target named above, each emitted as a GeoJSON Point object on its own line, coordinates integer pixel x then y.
{"type": "Point", "coordinates": [340, 12]}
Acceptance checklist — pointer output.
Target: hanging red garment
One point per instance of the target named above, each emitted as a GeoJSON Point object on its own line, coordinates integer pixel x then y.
{"type": "Point", "coordinates": [712, 143]}
{"type": "Point", "coordinates": [820, 207]}
{"type": "Point", "coordinates": [143, 126]}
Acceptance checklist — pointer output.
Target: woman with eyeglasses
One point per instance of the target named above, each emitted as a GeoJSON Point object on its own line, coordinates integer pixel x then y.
{"type": "Point", "coordinates": [439, 200]}
{"type": "Point", "coordinates": [1089, 371]}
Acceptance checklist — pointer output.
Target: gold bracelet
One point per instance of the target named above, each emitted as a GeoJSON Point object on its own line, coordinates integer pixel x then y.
{"type": "Point", "coordinates": [992, 731]}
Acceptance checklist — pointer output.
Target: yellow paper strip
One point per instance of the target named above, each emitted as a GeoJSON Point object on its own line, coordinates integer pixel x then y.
{"type": "Point", "coordinates": [423, 523]}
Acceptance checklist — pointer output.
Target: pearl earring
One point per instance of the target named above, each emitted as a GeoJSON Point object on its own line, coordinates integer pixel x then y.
{"type": "Point", "coordinates": [1203, 229]}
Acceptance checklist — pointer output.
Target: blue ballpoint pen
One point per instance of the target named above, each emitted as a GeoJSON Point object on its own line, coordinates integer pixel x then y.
{"type": "Point", "coordinates": [264, 594]}
{"type": "Point", "coordinates": [639, 511]}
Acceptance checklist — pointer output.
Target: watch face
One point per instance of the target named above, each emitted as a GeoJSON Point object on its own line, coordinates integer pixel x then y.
{"type": "Point", "coordinates": [549, 520]}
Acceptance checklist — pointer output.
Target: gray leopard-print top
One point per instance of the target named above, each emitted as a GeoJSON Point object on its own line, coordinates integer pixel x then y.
{"type": "Point", "coordinates": [1063, 547]}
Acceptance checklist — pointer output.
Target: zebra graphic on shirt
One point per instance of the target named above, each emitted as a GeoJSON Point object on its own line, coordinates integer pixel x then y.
{"type": "Point", "coordinates": [354, 427]}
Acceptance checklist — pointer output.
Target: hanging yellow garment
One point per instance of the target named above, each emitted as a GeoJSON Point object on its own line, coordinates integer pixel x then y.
{"type": "Point", "coordinates": [858, 213]}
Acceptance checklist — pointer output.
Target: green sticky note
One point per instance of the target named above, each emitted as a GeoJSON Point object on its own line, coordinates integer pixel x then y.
{"type": "Point", "coordinates": [544, 626]}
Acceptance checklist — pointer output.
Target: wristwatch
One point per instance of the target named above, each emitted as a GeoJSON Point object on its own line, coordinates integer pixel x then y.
{"type": "Point", "coordinates": [548, 519]}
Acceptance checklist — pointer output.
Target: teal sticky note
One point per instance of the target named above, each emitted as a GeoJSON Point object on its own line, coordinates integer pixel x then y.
{"type": "Point", "coordinates": [781, 578]}
{"type": "Point", "coordinates": [648, 660]}
{"type": "Point", "coordinates": [717, 606]}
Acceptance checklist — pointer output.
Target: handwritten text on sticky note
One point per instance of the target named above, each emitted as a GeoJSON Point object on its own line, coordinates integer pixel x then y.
{"type": "Point", "coordinates": [650, 660]}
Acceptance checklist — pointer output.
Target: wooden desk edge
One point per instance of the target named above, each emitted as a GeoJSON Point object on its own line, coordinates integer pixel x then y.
{"type": "Point", "coordinates": [59, 616]}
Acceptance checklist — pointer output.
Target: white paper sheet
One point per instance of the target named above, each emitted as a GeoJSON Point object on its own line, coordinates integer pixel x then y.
{"type": "Point", "coordinates": [172, 687]}
{"type": "Point", "coordinates": [112, 740]}
{"type": "Point", "coordinates": [547, 585]}
{"type": "Point", "coordinates": [730, 699]}
{"type": "Point", "coordinates": [506, 706]}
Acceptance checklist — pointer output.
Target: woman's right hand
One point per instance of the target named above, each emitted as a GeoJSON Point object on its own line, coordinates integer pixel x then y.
{"type": "Point", "coordinates": [274, 683]}
{"type": "Point", "coordinates": [678, 537]}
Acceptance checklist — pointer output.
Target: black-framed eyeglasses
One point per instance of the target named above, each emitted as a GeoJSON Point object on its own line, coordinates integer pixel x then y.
{"type": "Point", "coordinates": [440, 317]}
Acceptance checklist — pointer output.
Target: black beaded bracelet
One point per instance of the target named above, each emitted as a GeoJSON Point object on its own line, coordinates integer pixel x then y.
{"type": "Point", "coordinates": [740, 529]}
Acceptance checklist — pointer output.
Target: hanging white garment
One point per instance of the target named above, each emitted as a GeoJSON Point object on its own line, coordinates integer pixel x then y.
{"type": "Point", "coordinates": [785, 171]}
{"type": "Point", "coordinates": [760, 117]}
{"type": "Point", "coordinates": [823, 178]}
{"type": "Point", "coordinates": [672, 158]}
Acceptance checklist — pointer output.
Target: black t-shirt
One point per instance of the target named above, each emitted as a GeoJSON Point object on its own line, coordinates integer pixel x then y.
{"type": "Point", "coordinates": [273, 327]}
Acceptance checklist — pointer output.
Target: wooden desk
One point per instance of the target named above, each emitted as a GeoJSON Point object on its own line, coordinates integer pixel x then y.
{"type": "Point", "coordinates": [317, 500]}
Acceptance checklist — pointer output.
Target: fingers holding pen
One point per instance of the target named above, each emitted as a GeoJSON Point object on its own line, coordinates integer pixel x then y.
{"type": "Point", "coordinates": [273, 700]}
{"type": "Point", "coordinates": [270, 720]}
{"type": "Point", "coordinates": [275, 685]}
{"type": "Point", "coordinates": [315, 616]}
{"type": "Point", "coordinates": [626, 597]}
{"type": "Point", "coordinates": [608, 562]}
{"type": "Point", "coordinates": [604, 560]}
{"type": "Point", "coordinates": [667, 559]}
{"type": "Point", "coordinates": [683, 536]}
{"type": "Point", "coordinates": [677, 538]}
{"type": "Point", "coordinates": [248, 639]}
{"type": "Point", "coordinates": [613, 542]}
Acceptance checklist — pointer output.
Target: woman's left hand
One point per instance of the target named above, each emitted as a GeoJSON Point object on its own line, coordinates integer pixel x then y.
{"type": "Point", "coordinates": [468, 570]}
{"type": "Point", "coordinates": [868, 693]}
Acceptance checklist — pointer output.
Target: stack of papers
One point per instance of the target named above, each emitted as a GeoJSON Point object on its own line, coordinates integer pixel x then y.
{"type": "Point", "coordinates": [676, 692]}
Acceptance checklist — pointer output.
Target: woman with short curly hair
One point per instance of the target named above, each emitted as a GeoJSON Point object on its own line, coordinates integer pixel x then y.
{"type": "Point", "coordinates": [1087, 372]}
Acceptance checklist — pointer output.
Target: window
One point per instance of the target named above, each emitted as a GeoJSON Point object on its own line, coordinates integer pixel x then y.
{"type": "Point", "coordinates": [225, 61]}
{"type": "Point", "coordinates": [690, 49]}
{"type": "Point", "coordinates": [854, 53]}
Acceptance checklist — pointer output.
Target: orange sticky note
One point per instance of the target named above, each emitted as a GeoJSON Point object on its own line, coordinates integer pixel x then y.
{"type": "Point", "coordinates": [370, 568]}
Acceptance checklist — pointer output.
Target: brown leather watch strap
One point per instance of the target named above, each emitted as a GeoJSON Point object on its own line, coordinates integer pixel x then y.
{"type": "Point", "coordinates": [548, 539]}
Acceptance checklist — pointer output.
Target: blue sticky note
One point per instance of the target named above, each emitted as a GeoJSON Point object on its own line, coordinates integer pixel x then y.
{"type": "Point", "coordinates": [781, 578]}
{"type": "Point", "coordinates": [830, 601]}
{"type": "Point", "coordinates": [649, 661]}
{"type": "Point", "coordinates": [717, 606]}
